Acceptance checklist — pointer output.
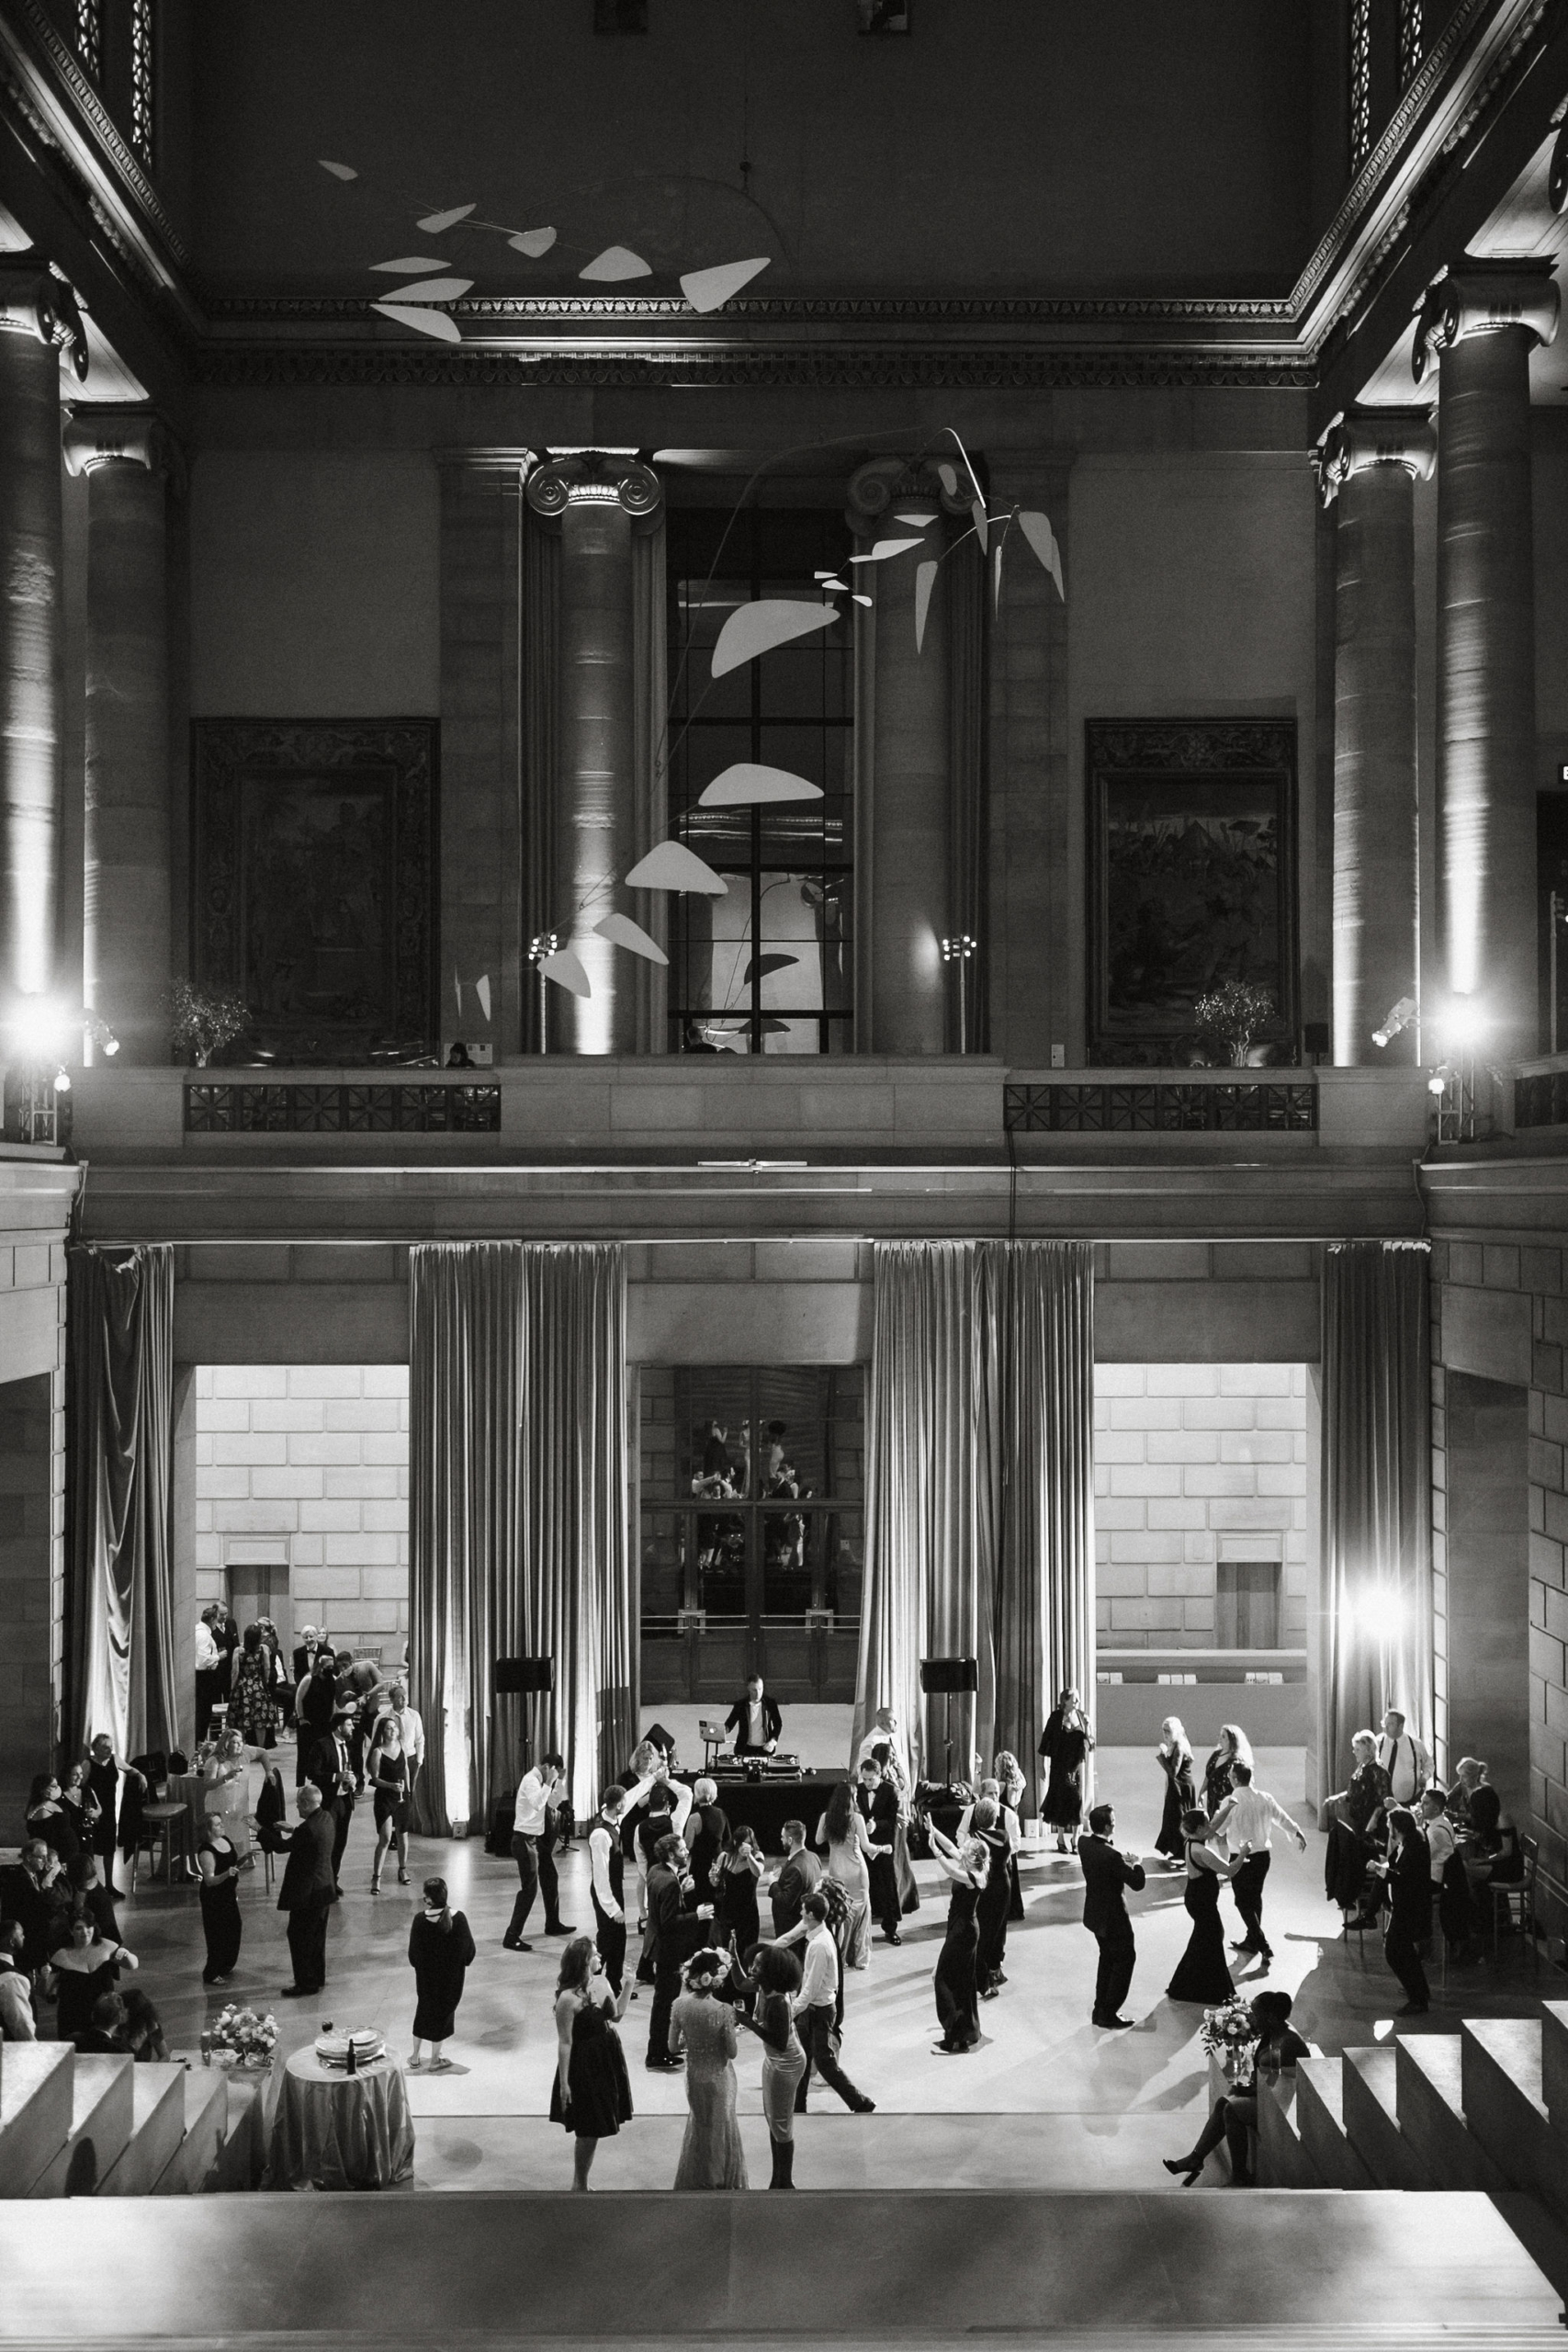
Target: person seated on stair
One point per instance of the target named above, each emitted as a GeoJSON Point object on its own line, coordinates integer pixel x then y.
{"type": "Point", "coordinates": [1234, 2117]}
{"type": "Point", "coordinates": [1356, 1822]}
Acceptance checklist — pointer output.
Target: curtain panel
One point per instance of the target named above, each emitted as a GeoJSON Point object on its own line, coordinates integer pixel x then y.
{"type": "Point", "coordinates": [120, 1605]}
{"type": "Point", "coordinates": [979, 1490]}
{"type": "Point", "coordinates": [1376, 1597]}
{"type": "Point", "coordinates": [518, 1533]}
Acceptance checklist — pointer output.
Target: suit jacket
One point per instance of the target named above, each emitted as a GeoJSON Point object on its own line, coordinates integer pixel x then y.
{"type": "Point", "coordinates": [1106, 1876]}
{"type": "Point", "coordinates": [308, 1873]}
{"type": "Point", "coordinates": [664, 1915]}
{"type": "Point", "coordinates": [879, 1813]}
{"type": "Point", "coordinates": [39, 1912]}
{"type": "Point", "coordinates": [318, 1699]}
{"type": "Point", "coordinates": [322, 1766]}
{"type": "Point", "coordinates": [305, 1659]}
{"type": "Point", "coordinates": [772, 1722]}
{"type": "Point", "coordinates": [799, 1875]}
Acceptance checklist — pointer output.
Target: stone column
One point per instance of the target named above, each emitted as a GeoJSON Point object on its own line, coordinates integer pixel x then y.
{"type": "Point", "coordinates": [1367, 464]}
{"type": "Point", "coordinates": [37, 321]}
{"type": "Point", "coordinates": [600, 500]}
{"type": "Point", "coordinates": [126, 455]}
{"type": "Point", "coordinates": [1484, 320]}
{"type": "Point", "coordinates": [904, 895]}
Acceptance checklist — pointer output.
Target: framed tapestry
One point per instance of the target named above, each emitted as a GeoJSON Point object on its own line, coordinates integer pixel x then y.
{"type": "Point", "coordinates": [314, 877]}
{"type": "Point", "coordinates": [1191, 876]}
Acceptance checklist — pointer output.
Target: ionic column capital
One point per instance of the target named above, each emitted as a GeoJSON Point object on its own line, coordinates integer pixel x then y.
{"type": "Point", "coordinates": [883, 483]}
{"type": "Point", "coordinates": [1356, 442]}
{"type": "Point", "coordinates": [595, 477]}
{"type": "Point", "coordinates": [96, 438]}
{"type": "Point", "coordinates": [1483, 298]}
{"type": "Point", "coordinates": [33, 302]}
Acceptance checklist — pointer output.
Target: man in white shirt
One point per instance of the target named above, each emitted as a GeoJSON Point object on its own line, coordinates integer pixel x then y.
{"type": "Point", "coordinates": [755, 1720]}
{"type": "Point", "coordinates": [883, 1745]}
{"type": "Point", "coordinates": [209, 1670]}
{"type": "Point", "coordinates": [1440, 1839]}
{"type": "Point", "coordinates": [1247, 1818]}
{"type": "Point", "coordinates": [606, 1867]}
{"type": "Point", "coordinates": [530, 1843]}
{"type": "Point", "coordinates": [815, 2006]}
{"type": "Point", "coordinates": [1403, 1758]}
{"type": "Point", "coordinates": [411, 1728]}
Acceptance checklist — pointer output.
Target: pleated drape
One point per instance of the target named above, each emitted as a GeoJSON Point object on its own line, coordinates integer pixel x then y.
{"type": "Point", "coordinates": [119, 1608]}
{"type": "Point", "coordinates": [465, 1587]}
{"type": "Point", "coordinates": [519, 1541]}
{"type": "Point", "coordinates": [1376, 1496]}
{"type": "Point", "coordinates": [979, 1488]}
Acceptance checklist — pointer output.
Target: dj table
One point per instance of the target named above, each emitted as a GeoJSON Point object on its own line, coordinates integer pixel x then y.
{"type": "Point", "coordinates": [773, 1798]}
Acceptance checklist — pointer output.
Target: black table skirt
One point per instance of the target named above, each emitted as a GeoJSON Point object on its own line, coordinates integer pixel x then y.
{"type": "Point", "coordinates": [767, 1804]}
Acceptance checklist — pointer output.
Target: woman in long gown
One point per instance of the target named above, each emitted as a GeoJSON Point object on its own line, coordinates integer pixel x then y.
{"type": "Point", "coordinates": [1067, 1743]}
{"type": "Point", "coordinates": [737, 1894]}
{"type": "Point", "coordinates": [957, 1994]}
{"type": "Point", "coordinates": [841, 1833]}
{"type": "Point", "coordinates": [227, 1797]}
{"type": "Point", "coordinates": [441, 1951]}
{"type": "Point", "coordinates": [704, 2027]}
{"type": "Point", "coordinates": [252, 1703]}
{"type": "Point", "coordinates": [220, 1892]}
{"type": "Point", "coordinates": [591, 2094]}
{"type": "Point", "coordinates": [777, 1977]}
{"type": "Point", "coordinates": [1174, 1756]}
{"type": "Point", "coordinates": [1201, 1973]}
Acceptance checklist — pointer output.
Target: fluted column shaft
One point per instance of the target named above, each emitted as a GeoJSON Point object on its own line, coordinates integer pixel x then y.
{"type": "Point", "coordinates": [37, 318]}
{"type": "Point", "coordinates": [598, 499]}
{"type": "Point", "coordinates": [1368, 466]}
{"type": "Point", "coordinates": [125, 893]}
{"type": "Point", "coordinates": [903, 815]}
{"type": "Point", "coordinates": [1485, 321]}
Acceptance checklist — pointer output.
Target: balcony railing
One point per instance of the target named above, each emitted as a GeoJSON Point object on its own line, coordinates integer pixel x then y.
{"type": "Point", "coordinates": [1540, 1093]}
{"type": "Point", "coordinates": [230, 1107]}
{"type": "Point", "coordinates": [1194, 1106]}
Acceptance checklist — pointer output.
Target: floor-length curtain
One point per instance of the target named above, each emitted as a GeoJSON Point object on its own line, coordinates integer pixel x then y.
{"type": "Point", "coordinates": [466, 1589]}
{"type": "Point", "coordinates": [576, 1545]}
{"type": "Point", "coordinates": [120, 1638]}
{"type": "Point", "coordinates": [979, 1484]}
{"type": "Point", "coordinates": [1376, 1597]}
{"type": "Point", "coordinates": [650, 759]}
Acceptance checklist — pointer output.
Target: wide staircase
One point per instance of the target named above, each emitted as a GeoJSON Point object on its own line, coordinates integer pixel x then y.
{"type": "Point", "coordinates": [76, 2126]}
{"type": "Point", "coordinates": [1484, 2109]}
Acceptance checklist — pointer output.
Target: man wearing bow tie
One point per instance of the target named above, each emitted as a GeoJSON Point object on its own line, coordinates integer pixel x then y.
{"type": "Point", "coordinates": [330, 1768]}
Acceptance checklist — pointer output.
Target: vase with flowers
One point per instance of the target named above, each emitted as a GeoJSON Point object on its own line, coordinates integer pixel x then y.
{"type": "Point", "coordinates": [1229, 2034]}
{"type": "Point", "coordinates": [249, 2037]}
{"type": "Point", "coordinates": [1229, 1020]}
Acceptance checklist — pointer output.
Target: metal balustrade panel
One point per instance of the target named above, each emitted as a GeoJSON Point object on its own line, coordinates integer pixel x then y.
{"type": "Point", "coordinates": [221, 1107]}
{"type": "Point", "coordinates": [1124, 1106]}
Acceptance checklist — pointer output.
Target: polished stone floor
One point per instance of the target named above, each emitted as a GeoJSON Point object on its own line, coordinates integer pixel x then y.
{"type": "Point", "coordinates": [1048, 2102]}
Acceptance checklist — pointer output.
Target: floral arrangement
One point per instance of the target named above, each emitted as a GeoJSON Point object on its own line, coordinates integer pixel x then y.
{"type": "Point", "coordinates": [1230, 1017]}
{"type": "Point", "coordinates": [251, 2038]}
{"type": "Point", "coordinates": [1229, 2030]}
{"type": "Point", "coordinates": [201, 1019]}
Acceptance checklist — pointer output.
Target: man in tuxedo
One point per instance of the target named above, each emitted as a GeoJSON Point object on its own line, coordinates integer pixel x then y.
{"type": "Point", "coordinates": [35, 1893]}
{"type": "Point", "coordinates": [308, 1893]}
{"type": "Point", "coordinates": [1106, 1877]}
{"type": "Point", "coordinates": [755, 1720]}
{"type": "Point", "coordinates": [673, 1939]}
{"type": "Point", "coordinates": [1403, 1758]}
{"type": "Point", "coordinates": [306, 1651]}
{"type": "Point", "coordinates": [876, 1801]}
{"type": "Point", "coordinates": [330, 1766]}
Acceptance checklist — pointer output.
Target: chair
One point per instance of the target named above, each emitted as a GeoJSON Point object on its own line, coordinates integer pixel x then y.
{"type": "Point", "coordinates": [1514, 1900]}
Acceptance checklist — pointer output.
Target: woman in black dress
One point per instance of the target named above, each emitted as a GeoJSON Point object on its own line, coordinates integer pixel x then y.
{"type": "Point", "coordinates": [85, 1967]}
{"type": "Point", "coordinates": [735, 1903]}
{"type": "Point", "coordinates": [440, 1949]}
{"type": "Point", "coordinates": [1219, 1776]}
{"type": "Point", "coordinates": [1174, 1756]}
{"type": "Point", "coordinates": [49, 1818]}
{"type": "Point", "coordinates": [1201, 1973]}
{"type": "Point", "coordinates": [1067, 1742]}
{"type": "Point", "coordinates": [90, 1898]}
{"type": "Point", "coordinates": [1278, 2051]}
{"type": "Point", "coordinates": [957, 1995]}
{"type": "Point", "coordinates": [991, 1911]}
{"type": "Point", "coordinates": [389, 1777]}
{"type": "Point", "coordinates": [81, 1805]}
{"type": "Point", "coordinates": [591, 2094]}
{"type": "Point", "coordinates": [218, 1863]}
{"type": "Point", "coordinates": [1409, 1873]}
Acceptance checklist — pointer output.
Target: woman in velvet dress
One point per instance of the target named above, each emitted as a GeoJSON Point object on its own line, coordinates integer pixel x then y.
{"type": "Point", "coordinates": [1067, 1743]}
{"type": "Point", "coordinates": [1201, 1973]}
{"type": "Point", "coordinates": [1174, 1756]}
{"type": "Point", "coordinates": [967, 1867]}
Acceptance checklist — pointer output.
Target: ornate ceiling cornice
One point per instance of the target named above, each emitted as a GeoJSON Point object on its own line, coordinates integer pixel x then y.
{"type": "Point", "coordinates": [1030, 342]}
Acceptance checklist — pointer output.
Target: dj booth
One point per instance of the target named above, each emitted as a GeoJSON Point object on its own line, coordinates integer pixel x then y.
{"type": "Point", "coordinates": [766, 1799]}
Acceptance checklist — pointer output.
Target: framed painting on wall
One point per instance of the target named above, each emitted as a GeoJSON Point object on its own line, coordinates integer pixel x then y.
{"type": "Point", "coordinates": [313, 883]}
{"type": "Point", "coordinates": [1191, 877]}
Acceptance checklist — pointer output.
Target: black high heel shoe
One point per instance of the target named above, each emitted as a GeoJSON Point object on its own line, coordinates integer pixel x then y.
{"type": "Point", "coordinates": [1183, 2167]}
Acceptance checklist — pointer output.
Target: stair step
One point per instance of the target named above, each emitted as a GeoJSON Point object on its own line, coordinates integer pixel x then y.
{"type": "Point", "coordinates": [241, 2159]}
{"type": "Point", "coordinates": [1554, 2062]}
{"type": "Point", "coordinates": [1320, 2119]}
{"type": "Point", "coordinates": [194, 2164]}
{"type": "Point", "coordinates": [1430, 2077]}
{"type": "Point", "coordinates": [1282, 2162]}
{"type": "Point", "coordinates": [103, 2115]}
{"type": "Point", "coordinates": [1505, 2109]}
{"type": "Point", "coordinates": [158, 2093]}
{"type": "Point", "coordinates": [1370, 2079]}
{"type": "Point", "coordinates": [35, 2111]}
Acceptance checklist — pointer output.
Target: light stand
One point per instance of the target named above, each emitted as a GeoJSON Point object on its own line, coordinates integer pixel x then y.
{"type": "Point", "coordinates": [958, 950]}
{"type": "Point", "coordinates": [543, 943]}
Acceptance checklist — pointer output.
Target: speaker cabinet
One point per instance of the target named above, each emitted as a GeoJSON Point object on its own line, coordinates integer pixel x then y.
{"type": "Point", "coordinates": [944, 1678]}
{"type": "Point", "coordinates": [525, 1674]}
